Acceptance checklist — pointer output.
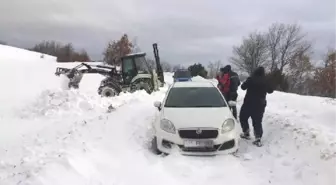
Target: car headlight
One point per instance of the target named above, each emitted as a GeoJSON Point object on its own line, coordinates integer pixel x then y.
{"type": "Point", "coordinates": [167, 126]}
{"type": "Point", "coordinates": [228, 125]}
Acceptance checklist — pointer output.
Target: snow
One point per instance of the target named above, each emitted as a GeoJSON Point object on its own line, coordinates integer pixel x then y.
{"type": "Point", "coordinates": [53, 136]}
{"type": "Point", "coordinates": [136, 53]}
{"type": "Point", "coordinates": [11, 54]}
{"type": "Point", "coordinates": [198, 78]}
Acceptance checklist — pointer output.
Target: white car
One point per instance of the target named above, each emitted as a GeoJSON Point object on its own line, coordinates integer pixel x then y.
{"type": "Point", "coordinates": [195, 119]}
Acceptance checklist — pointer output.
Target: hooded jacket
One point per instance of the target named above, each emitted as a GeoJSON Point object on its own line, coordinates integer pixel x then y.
{"type": "Point", "coordinates": [233, 77]}
{"type": "Point", "coordinates": [257, 88]}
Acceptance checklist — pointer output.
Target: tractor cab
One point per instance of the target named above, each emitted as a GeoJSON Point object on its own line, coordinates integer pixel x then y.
{"type": "Point", "coordinates": [132, 66]}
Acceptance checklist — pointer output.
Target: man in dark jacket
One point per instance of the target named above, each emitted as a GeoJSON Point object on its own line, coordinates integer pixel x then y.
{"type": "Point", "coordinates": [233, 84]}
{"type": "Point", "coordinates": [254, 104]}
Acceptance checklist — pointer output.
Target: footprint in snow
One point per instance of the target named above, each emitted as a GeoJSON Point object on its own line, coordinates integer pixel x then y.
{"type": "Point", "coordinates": [247, 157]}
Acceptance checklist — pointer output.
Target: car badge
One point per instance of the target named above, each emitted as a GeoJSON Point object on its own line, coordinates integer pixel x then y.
{"type": "Point", "coordinates": [199, 131]}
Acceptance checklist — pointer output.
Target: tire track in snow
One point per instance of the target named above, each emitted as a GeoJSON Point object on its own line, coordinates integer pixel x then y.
{"type": "Point", "coordinates": [43, 145]}
{"type": "Point", "coordinates": [109, 149]}
{"type": "Point", "coordinates": [119, 156]}
{"type": "Point", "coordinates": [288, 155]}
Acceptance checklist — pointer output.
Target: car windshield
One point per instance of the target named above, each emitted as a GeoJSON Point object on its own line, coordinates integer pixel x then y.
{"type": "Point", "coordinates": [182, 74]}
{"type": "Point", "coordinates": [195, 97]}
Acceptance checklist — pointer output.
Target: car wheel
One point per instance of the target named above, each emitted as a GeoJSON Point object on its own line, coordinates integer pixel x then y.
{"type": "Point", "coordinates": [154, 147]}
{"type": "Point", "coordinates": [236, 153]}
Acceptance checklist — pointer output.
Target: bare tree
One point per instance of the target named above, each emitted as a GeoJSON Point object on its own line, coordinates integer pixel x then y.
{"type": "Point", "coordinates": [63, 52]}
{"type": "Point", "coordinates": [251, 54]}
{"type": "Point", "coordinates": [116, 49]}
{"type": "Point", "coordinates": [66, 53]}
{"type": "Point", "coordinates": [136, 48]}
{"type": "Point", "coordinates": [329, 56]}
{"type": "Point", "coordinates": [275, 33]}
{"type": "Point", "coordinates": [166, 67]}
{"type": "Point", "coordinates": [300, 75]}
{"type": "Point", "coordinates": [213, 68]}
{"type": "Point", "coordinates": [325, 77]}
{"type": "Point", "coordinates": [177, 67]}
{"type": "Point", "coordinates": [151, 63]}
{"type": "Point", "coordinates": [285, 43]}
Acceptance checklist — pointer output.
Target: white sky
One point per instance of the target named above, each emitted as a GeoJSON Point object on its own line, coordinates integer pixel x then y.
{"type": "Point", "coordinates": [186, 30]}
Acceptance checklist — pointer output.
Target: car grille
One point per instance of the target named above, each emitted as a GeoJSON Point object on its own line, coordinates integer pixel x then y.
{"type": "Point", "coordinates": [225, 146]}
{"type": "Point", "coordinates": [214, 149]}
{"type": "Point", "coordinates": [193, 134]}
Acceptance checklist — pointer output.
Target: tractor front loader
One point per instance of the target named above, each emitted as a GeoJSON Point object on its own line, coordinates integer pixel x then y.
{"type": "Point", "coordinates": [134, 75]}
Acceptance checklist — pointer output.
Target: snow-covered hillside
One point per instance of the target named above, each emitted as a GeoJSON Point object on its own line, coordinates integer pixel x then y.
{"type": "Point", "coordinates": [52, 136]}
{"type": "Point", "coordinates": [13, 54]}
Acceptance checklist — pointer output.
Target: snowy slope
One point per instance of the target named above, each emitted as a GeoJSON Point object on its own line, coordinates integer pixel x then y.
{"type": "Point", "coordinates": [53, 136]}
{"type": "Point", "coordinates": [13, 54]}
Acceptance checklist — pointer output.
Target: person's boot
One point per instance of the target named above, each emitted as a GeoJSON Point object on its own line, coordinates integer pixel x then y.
{"type": "Point", "coordinates": [257, 142]}
{"type": "Point", "coordinates": [245, 135]}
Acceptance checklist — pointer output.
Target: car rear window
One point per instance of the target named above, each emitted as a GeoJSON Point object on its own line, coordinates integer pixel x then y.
{"type": "Point", "coordinates": [182, 74]}
{"type": "Point", "coordinates": [194, 97]}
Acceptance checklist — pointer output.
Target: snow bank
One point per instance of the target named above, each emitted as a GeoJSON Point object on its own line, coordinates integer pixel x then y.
{"type": "Point", "coordinates": [168, 77]}
{"type": "Point", "coordinates": [309, 115]}
{"type": "Point", "coordinates": [13, 54]}
{"type": "Point", "coordinates": [67, 103]}
{"type": "Point", "coordinates": [49, 135]}
{"type": "Point", "coordinates": [198, 78]}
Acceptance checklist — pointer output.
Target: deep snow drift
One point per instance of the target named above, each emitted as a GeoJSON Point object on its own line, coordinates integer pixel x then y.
{"type": "Point", "coordinates": [53, 136]}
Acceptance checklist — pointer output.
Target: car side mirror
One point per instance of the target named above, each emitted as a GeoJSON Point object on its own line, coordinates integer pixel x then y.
{"type": "Point", "coordinates": [157, 104]}
{"type": "Point", "coordinates": [232, 103]}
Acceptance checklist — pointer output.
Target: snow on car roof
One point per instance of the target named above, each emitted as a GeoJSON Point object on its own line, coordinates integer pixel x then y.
{"type": "Point", "coordinates": [193, 84]}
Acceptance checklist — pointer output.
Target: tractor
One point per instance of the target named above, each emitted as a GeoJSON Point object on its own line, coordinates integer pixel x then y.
{"type": "Point", "coordinates": [135, 74]}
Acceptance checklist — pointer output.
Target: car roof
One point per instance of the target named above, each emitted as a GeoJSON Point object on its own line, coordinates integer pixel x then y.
{"type": "Point", "coordinates": [192, 84]}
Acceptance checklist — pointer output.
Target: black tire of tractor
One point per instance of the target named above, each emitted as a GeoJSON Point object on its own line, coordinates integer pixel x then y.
{"type": "Point", "coordinates": [146, 85]}
{"type": "Point", "coordinates": [150, 87]}
{"type": "Point", "coordinates": [109, 90]}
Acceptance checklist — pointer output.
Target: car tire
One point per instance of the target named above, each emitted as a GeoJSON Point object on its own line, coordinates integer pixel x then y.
{"type": "Point", "coordinates": [235, 153]}
{"type": "Point", "coordinates": [154, 147]}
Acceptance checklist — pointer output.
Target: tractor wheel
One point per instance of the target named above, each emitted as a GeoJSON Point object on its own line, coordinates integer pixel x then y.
{"type": "Point", "coordinates": [142, 85]}
{"type": "Point", "coordinates": [108, 91]}
{"type": "Point", "coordinates": [148, 87]}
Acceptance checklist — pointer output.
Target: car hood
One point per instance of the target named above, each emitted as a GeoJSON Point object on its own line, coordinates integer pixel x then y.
{"type": "Point", "coordinates": [197, 117]}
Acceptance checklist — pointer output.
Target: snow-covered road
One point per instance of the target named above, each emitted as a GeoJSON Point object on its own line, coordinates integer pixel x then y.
{"type": "Point", "coordinates": [51, 136]}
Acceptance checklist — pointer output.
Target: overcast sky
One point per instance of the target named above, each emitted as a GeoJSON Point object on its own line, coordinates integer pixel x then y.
{"type": "Point", "coordinates": [185, 30]}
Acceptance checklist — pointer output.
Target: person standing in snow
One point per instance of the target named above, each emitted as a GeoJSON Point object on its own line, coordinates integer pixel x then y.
{"type": "Point", "coordinates": [254, 105]}
{"type": "Point", "coordinates": [219, 78]}
{"type": "Point", "coordinates": [233, 88]}
{"type": "Point", "coordinates": [228, 84]}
